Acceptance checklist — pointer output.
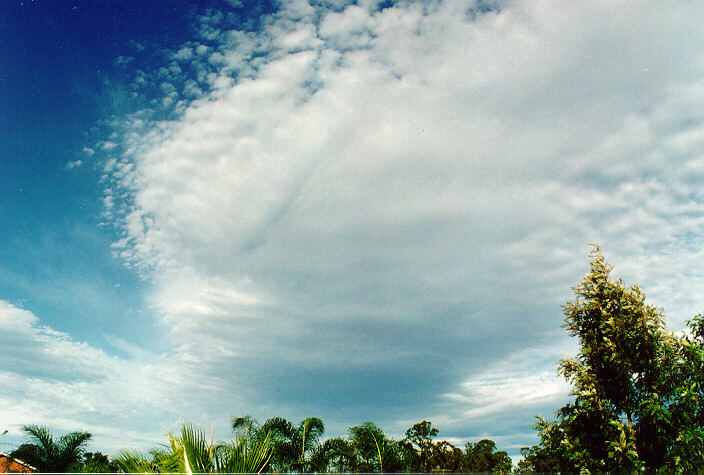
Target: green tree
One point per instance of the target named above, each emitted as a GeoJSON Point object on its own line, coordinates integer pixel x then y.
{"type": "Point", "coordinates": [446, 457]}
{"type": "Point", "coordinates": [96, 462]}
{"type": "Point", "coordinates": [553, 452]}
{"type": "Point", "coordinates": [375, 452]}
{"type": "Point", "coordinates": [637, 387]}
{"type": "Point", "coordinates": [419, 446]}
{"type": "Point", "coordinates": [294, 446]}
{"type": "Point", "coordinates": [335, 455]}
{"type": "Point", "coordinates": [246, 427]}
{"type": "Point", "coordinates": [483, 457]}
{"type": "Point", "coordinates": [49, 455]}
{"type": "Point", "coordinates": [679, 418]}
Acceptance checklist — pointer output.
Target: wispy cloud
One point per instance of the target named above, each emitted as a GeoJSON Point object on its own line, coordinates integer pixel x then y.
{"type": "Point", "coordinates": [50, 378]}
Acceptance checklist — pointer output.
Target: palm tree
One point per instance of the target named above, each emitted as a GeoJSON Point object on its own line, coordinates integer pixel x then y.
{"type": "Point", "coordinates": [294, 446]}
{"type": "Point", "coordinates": [335, 455]}
{"type": "Point", "coordinates": [49, 455]}
{"type": "Point", "coordinates": [247, 426]}
{"type": "Point", "coordinates": [192, 453]}
{"type": "Point", "coordinates": [376, 452]}
{"type": "Point", "coordinates": [367, 449]}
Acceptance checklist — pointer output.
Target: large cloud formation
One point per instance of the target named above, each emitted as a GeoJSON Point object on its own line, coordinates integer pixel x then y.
{"type": "Point", "coordinates": [359, 212]}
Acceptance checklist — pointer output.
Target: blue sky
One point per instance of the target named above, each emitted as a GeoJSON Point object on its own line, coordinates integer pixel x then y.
{"type": "Point", "coordinates": [358, 211]}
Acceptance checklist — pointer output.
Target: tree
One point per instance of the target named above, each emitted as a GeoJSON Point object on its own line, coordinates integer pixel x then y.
{"type": "Point", "coordinates": [637, 387]}
{"type": "Point", "coordinates": [375, 452]}
{"type": "Point", "coordinates": [96, 462]}
{"type": "Point", "coordinates": [293, 446]}
{"type": "Point", "coordinates": [423, 454]}
{"type": "Point", "coordinates": [679, 418]}
{"type": "Point", "coordinates": [335, 455]}
{"type": "Point", "coordinates": [246, 427]}
{"type": "Point", "coordinates": [447, 458]}
{"type": "Point", "coordinates": [419, 445]}
{"type": "Point", "coordinates": [49, 455]}
{"type": "Point", "coordinates": [620, 339]}
{"type": "Point", "coordinates": [483, 457]}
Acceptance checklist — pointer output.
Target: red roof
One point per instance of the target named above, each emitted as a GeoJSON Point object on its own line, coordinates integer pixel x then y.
{"type": "Point", "coordinates": [9, 464]}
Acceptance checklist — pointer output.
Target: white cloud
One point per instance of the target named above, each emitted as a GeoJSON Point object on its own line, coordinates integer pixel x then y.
{"type": "Point", "coordinates": [184, 54]}
{"type": "Point", "coordinates": [73, 164]}
{"type": "Point", "coordinates": [53, 380]}
{"type": "Point", "coordinates": [123, 61]}
{"type": "Point", "coordinates": [202, 50]}
{"type": "Point", "coordinates": [510, 385]}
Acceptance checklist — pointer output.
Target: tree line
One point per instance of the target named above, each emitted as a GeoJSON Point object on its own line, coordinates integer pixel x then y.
{"type": "Point", "coordinates": [277, 445]}
{"type": "Point", "coordinates": [638, 405]}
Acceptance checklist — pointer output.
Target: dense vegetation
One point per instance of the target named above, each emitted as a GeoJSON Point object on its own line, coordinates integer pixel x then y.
{"type": "Point", "coordinates": [639, 389]}
{"type": "Point", "coordinates": [275, 446]}
{"type": "Point", "coordinates": [638, 405]}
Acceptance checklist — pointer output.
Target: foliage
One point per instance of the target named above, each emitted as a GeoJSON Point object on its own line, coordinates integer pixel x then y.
{"type": "Point", "coordinates": [336, 455]}
{"type": "Point", "coordinates": [375, 452]}
{"type": "Point", "coordinates": [96, 462]}
{"type": "Point", "coordinates": [447, 458]}
{"type": "Point", "coordinates": [483, 457]}
{"type": "Point", "coordinates": [638, 388]}
{"type": "Point", "coordinates": [49, 455]}
{"type": "Point", "coordinates": [191, 453]}
{"type": "Point", "coordinates": [419, 446]}
{"type": "Point", "coordinates": [423, 454]}
{"type": "Point", "coordinates": [293, 447]}
{"type": "Point", "coordinates": [366, 449]}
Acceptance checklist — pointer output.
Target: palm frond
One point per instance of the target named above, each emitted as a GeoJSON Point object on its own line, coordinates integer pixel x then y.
{"type": "Point", "coordinates": [133, 461]}
{"type": "Point", "coordinates": [244, 455]}
{"type": "Point", "coordinates": [246, 426]}
{"type": "Point", "coordinates": [195, 449]}
{"type": "Point", "coordinates": [41, 436]}
{"type": "Point", "coordinates": [73, 442]}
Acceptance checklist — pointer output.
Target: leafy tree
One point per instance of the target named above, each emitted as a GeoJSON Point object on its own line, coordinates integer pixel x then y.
{"type": "Point", "coordinates": [484, 458]}
{"type": "Point", "coordinates": [679, 419]}
{"type": "Point", "coordinates": [620, 338]}
{"type": "Point", "coordinates": [419, 446]}
{"type": "Point", "coordinates": [365, 450]}
{"type": "Point", "coordinates": [637, 387]}
{"type": "Point", "coordinates": [446, 457]}
{"type": "Point", "coordinates": [552, 454]}
{"type": "Point", "coordinates": [294, 446]}
{"type": "Point", "coordinates": [96, 462]}
{"type": "Point", "coordinates": [375, 452]}
{"type": "Point", "coordinates": [423, 454]}
{"type": "Point", "coordinates": [336, 455]}
{"type": "Point", "coordinates": [49, 455]}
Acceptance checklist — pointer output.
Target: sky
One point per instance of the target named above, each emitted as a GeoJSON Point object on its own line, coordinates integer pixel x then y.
{"type": "Point", "coordinates": [360, 211]}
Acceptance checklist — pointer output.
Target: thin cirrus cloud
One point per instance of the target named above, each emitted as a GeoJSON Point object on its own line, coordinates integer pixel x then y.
{"type": "Point", "coordinates": [368, 213]}
{"type": "Point", "coordinates": [54, 380]}
{"type": "Point", "coordinates": [51, 378]}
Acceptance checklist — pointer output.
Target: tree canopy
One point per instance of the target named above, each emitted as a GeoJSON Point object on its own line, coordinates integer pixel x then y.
{"type": "Point", "coordinates": [638, 400]}
{"type": "Point", "coordinates": [48, 454]}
